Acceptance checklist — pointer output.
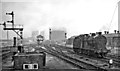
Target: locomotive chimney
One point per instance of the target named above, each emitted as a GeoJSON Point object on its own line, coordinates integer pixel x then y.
{"type": "Point", "coordinates": [93, 34]}
{"type": "Point", "coordinates": [115, 31]}
{"type": "Point", "coordinates": [105, 32]}
{"type": "Point", "coordinates": [99, 33]}
{"type": "Point", "coordinates": [86, 35]}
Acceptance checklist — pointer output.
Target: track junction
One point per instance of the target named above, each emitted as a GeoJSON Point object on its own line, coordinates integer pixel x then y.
{"type": "Point", "coordinates": [66, 53]}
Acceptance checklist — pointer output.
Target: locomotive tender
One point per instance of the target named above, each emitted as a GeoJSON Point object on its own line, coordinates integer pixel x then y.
{"type": "Point", "coordinates": [93, 44]}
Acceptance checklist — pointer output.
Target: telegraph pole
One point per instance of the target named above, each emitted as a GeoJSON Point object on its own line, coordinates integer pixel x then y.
{"type": "Point", "coordinates": [65, 38]}
{"type": "Point", "coordinates": [65, 35]}
{"type": "Point", "coordinates": [50, 36]}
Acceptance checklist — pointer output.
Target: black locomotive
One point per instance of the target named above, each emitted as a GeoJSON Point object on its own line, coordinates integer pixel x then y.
{"type": "Point", "coordinates": [93, 44]}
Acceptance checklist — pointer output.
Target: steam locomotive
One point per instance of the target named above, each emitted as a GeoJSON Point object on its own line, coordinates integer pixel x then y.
{"type": "Point", "coordinates": [93, 44]}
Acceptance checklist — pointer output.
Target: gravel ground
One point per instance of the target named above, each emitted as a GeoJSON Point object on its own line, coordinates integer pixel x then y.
{"type": "Point", "coordinates": [55, 63]}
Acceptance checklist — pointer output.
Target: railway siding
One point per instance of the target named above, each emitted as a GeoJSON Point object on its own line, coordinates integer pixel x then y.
{"type": "Point", "coordinates": [83, 64]}
{"type": "Point", "coordinates": [103, 63]}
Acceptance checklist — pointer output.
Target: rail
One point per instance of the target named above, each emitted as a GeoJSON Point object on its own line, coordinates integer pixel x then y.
{"type": "Point", "coordinates": [73, 61]}
{"type": "Point", "coordinates": [116, 61]}
{"type": "Point", "coordinates": [6, 52]}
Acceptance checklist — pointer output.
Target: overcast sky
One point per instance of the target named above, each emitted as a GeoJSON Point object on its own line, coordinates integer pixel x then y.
{"type": "Point", "coordinates": [76, 16]}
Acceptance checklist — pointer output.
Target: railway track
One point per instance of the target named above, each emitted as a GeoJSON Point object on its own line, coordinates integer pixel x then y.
{"type": "Point", "coordinates": [105, 60]}
{"type": "Point", "coordinates": [116, 58]}
{"type": "Point", "coordinates": [6, 53]}
{"type": "Point", "coordinates": [85, 62]}
{"type": "Point", "coordinates": [76, 62]}
{"type": "Point", "coordinates": [116, 62]}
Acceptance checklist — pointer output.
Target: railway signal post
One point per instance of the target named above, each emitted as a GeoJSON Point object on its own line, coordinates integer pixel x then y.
{"type": "Point", "coordinates": [18, 31]}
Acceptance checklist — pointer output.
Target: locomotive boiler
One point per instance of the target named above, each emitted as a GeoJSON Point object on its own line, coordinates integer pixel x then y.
{"type": "Point", "coordinates": [93, 44]}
